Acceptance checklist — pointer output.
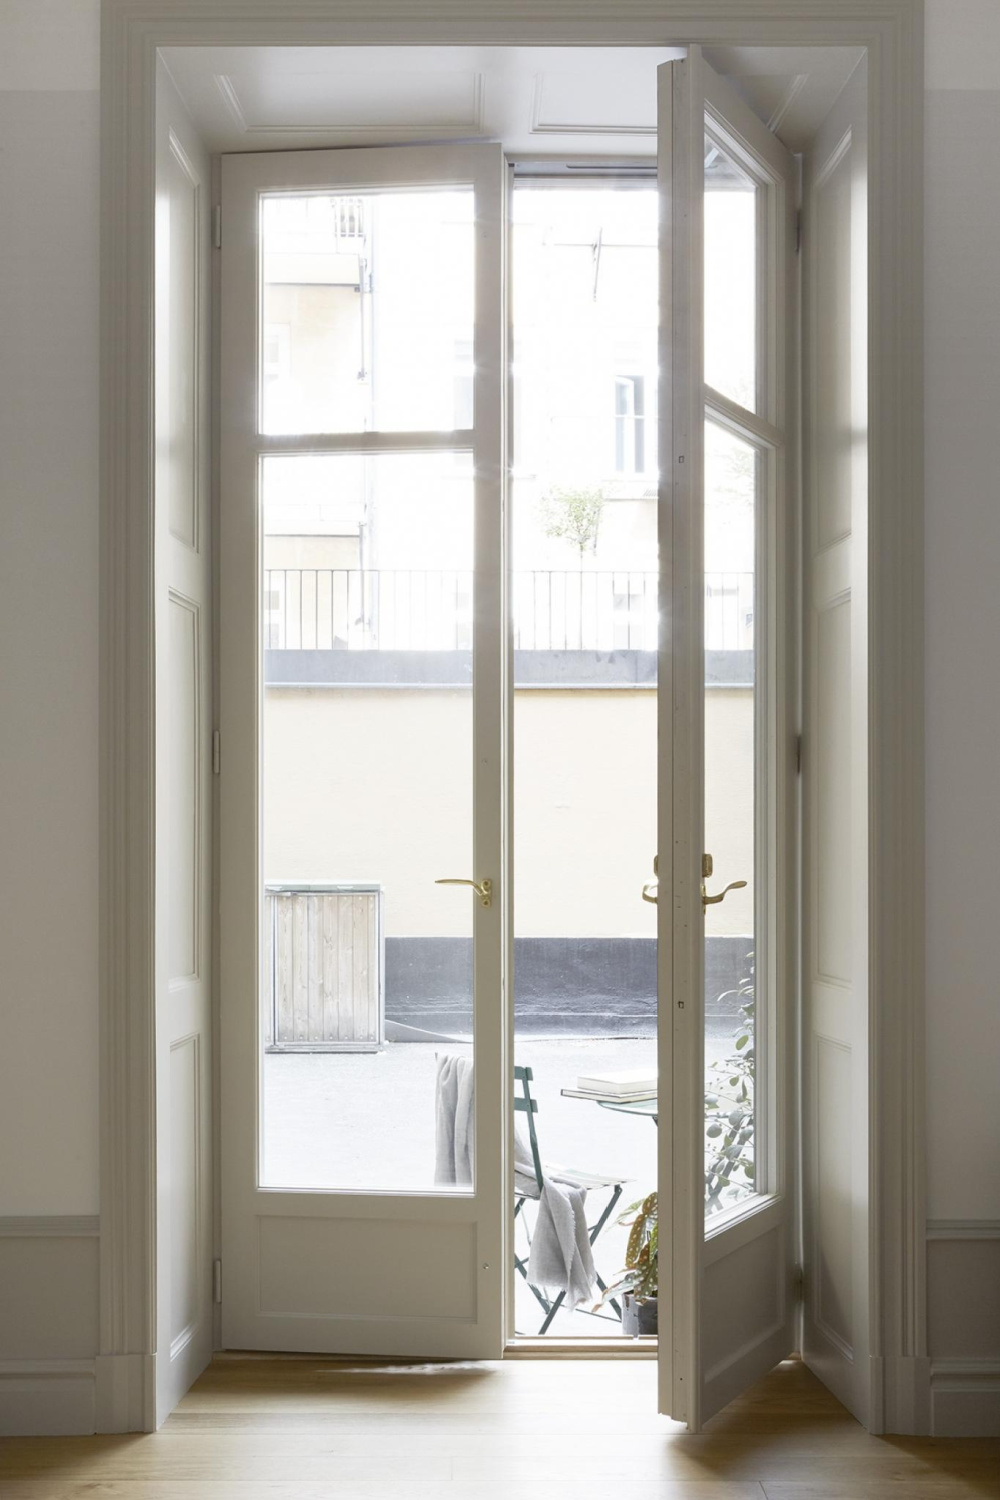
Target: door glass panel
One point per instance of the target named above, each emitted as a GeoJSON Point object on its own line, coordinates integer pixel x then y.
{"type": "Point", "coordinates": [730, 278]}
{"type": "Point", "coordinates": [366, 615]}
{"type": "Point", "coordinates": [585, 621]}
{"type": "Point", "coordinates": [731, 485]}
{"type": "Point", "coordinates": [367, 311]}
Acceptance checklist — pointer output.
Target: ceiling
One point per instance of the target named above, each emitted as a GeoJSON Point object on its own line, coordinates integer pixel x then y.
{"type": "Point", "coordinates": [539, 101]}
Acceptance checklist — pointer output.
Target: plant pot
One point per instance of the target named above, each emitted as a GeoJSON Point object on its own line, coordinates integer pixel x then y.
{"type": "Point", "coordinates": [638, 1317]}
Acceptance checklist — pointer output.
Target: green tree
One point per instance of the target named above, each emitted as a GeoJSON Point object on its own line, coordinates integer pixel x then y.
{"type": "Point", "coordinates": [573, 516]}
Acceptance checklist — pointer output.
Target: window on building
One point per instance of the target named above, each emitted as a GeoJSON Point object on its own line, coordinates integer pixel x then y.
{"type": "Point", "coordinates": [630, 424]}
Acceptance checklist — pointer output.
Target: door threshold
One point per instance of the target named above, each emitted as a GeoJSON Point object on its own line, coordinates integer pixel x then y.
{"type": "Point", "coordinates": [556, 1348]}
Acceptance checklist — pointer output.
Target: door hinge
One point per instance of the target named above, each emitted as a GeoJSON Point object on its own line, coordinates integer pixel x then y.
{"type": "Point", "coordinates": [798, 1283]}
{"type": "Point", "coordinates": [798, 230]}
{"type": "Point", "coordinates": [217, 226]}
{"type": "Point", "coordinates": [216, 753]}
{"type": "Point", "coordinates": [798, 755]}
{"type": "Point", "coordinates": [217, 1281]}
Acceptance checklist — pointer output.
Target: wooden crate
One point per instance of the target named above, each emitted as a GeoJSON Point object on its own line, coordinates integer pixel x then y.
{"type": "Point", "coordinates": [324, 984]}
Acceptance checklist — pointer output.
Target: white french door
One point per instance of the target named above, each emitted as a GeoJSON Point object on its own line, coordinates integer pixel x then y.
{"type": "Point", "coordinates": [363, 464]}
{"type": "Point", "coordinates": [726, 1173]}
{"type": "Point", "coordinates": [362, 461]}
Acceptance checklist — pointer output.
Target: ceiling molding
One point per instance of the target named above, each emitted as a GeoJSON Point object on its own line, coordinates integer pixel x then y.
{"type": "Point", "coordinates": [473, 125]}
{"type": "Point", "coordinates": [231, 100]}
{"type": "Point", "coordinates": [794, 89]}
{"type": "Point", "coordinates": [539, 126]}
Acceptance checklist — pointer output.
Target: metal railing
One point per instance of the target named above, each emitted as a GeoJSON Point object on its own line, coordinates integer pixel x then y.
{"type": "Point", "coordinates": [428, 609]}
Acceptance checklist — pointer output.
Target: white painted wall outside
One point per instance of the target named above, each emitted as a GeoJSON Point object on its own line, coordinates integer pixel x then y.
{"type": "Point", "coordinates": [373, 784]}
{"type": "Point", "coordinates": [48, 687]}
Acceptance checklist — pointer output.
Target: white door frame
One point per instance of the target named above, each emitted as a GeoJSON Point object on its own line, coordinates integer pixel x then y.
{"type": "Point", "coordinates": [131, 32]}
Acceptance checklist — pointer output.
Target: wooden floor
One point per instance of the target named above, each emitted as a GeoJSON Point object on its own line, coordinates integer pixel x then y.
{"type": "Point", "coordinates": [524, 1430]}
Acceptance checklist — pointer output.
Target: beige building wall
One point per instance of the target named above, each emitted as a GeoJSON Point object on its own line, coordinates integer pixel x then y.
{"type": "Point", "coordinates": [307, 552]}
{"type": "Point", "coordinates": [370, 784]}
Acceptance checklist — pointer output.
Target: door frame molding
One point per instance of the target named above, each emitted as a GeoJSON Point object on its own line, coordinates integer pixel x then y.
{"type": "Point", "coordinates": [131, 33]}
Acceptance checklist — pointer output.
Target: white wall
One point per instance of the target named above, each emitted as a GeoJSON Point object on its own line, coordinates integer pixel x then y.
{"type": "Point", "coordinates": [342, 803]}
{"type": "Point", "coordinates": [49, 105]}
{"type": "Point", "coordinates": [963, 607]}
{"type": "Point", "coordinates": [48, 550]}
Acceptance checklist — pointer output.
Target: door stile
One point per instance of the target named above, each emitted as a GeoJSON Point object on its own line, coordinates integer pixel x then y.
{"type": "Point", "coordinates": [490, 720]}
{"type": "Point", "coordinates": [506, 669]}
{"type": "Point", "coordinates": [680, 961]}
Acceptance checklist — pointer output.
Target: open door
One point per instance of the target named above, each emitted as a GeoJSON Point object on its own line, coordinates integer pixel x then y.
{"type": "Point", "coordinates": [835, 1017]}
{"type": "Point", "coordinates": [183, 607]}
{"type": "Point", "coordinates": [727, 756]}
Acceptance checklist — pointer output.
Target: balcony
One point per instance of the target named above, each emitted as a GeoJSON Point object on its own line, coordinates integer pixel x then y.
{"type": "Point", "coordinates": [601, 612]}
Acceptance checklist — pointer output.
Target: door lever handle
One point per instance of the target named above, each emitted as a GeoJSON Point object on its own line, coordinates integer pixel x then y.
{"type": "Point", "coordinates": [707, 900]}
{"type": "Point", "coordinates": [482, 888]}
{"type": "Point", "coordinates": [651, 892]}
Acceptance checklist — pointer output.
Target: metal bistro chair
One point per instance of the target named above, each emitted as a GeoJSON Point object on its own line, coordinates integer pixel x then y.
{"type": "Point", "coordinates": [526, 1105]}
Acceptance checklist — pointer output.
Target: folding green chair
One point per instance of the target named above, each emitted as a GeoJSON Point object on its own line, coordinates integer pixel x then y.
{"type": "Point", "coordinates": [526, 1105]}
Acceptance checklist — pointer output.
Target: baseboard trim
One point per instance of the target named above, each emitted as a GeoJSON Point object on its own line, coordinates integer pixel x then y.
{"type": "Point", "coordinates": [904, 1381]}
{"type": "Point", "coordinates": [965, 1397]}
{"type": "Point", "coordinates": [47, 1397]}
{"type": "Point", "coordinates": [126, 1393]}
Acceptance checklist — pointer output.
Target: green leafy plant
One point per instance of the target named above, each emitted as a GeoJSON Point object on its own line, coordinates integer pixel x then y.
{"type": "Point", "coordinates": [729, 1113]}
{"type": "Point", "coordinates": [640, 1275]}
{"type": "Point", "coordinates": [573, 516]}
{"type": "Point", "coordinates": [729, 1154]}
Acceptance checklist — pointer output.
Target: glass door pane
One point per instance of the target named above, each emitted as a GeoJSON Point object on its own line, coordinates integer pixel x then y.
{"type": "Point", "coordinates": [731, 266]}
{"type": "Point", "coordinates": [730, 815]}
{"type": "Point", "coordinates": [367, 312]}
{"type": "Point", "coordinates": [366, 612]}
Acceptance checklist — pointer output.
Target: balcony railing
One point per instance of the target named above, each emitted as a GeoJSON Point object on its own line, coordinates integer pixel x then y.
{"type": "Point", "coordinates": [427, 609]}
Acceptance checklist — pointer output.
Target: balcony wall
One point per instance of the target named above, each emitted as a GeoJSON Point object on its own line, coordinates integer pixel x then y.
{"type": "Point", "coordinates": [366, 782]}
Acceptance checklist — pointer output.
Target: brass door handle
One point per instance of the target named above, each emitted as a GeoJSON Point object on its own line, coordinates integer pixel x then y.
{"type": "Point", "coordinates": [482, 888]}
{"type": "Point", "coordinates": [707, 900]}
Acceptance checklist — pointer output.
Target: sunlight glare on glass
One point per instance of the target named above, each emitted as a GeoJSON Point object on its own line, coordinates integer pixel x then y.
{"type": "Point", "coordinates": [730, 278]}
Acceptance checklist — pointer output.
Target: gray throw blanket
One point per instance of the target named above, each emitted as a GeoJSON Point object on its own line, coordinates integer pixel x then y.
{"type": "Point", "coordinates": [561, 1259]}
{"type": "Point", "coordinates": [454, 1121]}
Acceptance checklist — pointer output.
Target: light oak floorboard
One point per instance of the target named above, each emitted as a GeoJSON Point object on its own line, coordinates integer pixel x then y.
{"type": "Point", "coordinates": [314, 1429]}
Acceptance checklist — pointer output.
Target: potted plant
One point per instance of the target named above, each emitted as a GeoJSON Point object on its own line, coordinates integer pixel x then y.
{"type": "Point", "coordinates": [729, 1111]}
{"type": "Point", "coordinates": [729, 1170]}
{"type": "Point", "coordinates": [637, 1285]}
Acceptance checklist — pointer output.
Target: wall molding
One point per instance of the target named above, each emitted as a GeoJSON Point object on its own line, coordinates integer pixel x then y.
{"type": "Point", "coordinates": [892, 31]}
{"type": "Point", "coordinates": [37, 1226]}
{"type": "Point", "coordinates": [963, 1229]}
{"type": "Point", "coordinates": [49, 1322]}
{"type": "Point", "coordinates": [473, 124]}
{"type": "Point", "coordinates": [963, 1314]}
{"type": "Point", "coordinates": [965, 1398]}
{"type": "Point", "coordinates": [47, 1397]}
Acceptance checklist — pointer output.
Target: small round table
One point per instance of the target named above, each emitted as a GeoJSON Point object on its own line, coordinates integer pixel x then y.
{"type": "Point", "coordinates": [646, 1107]}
